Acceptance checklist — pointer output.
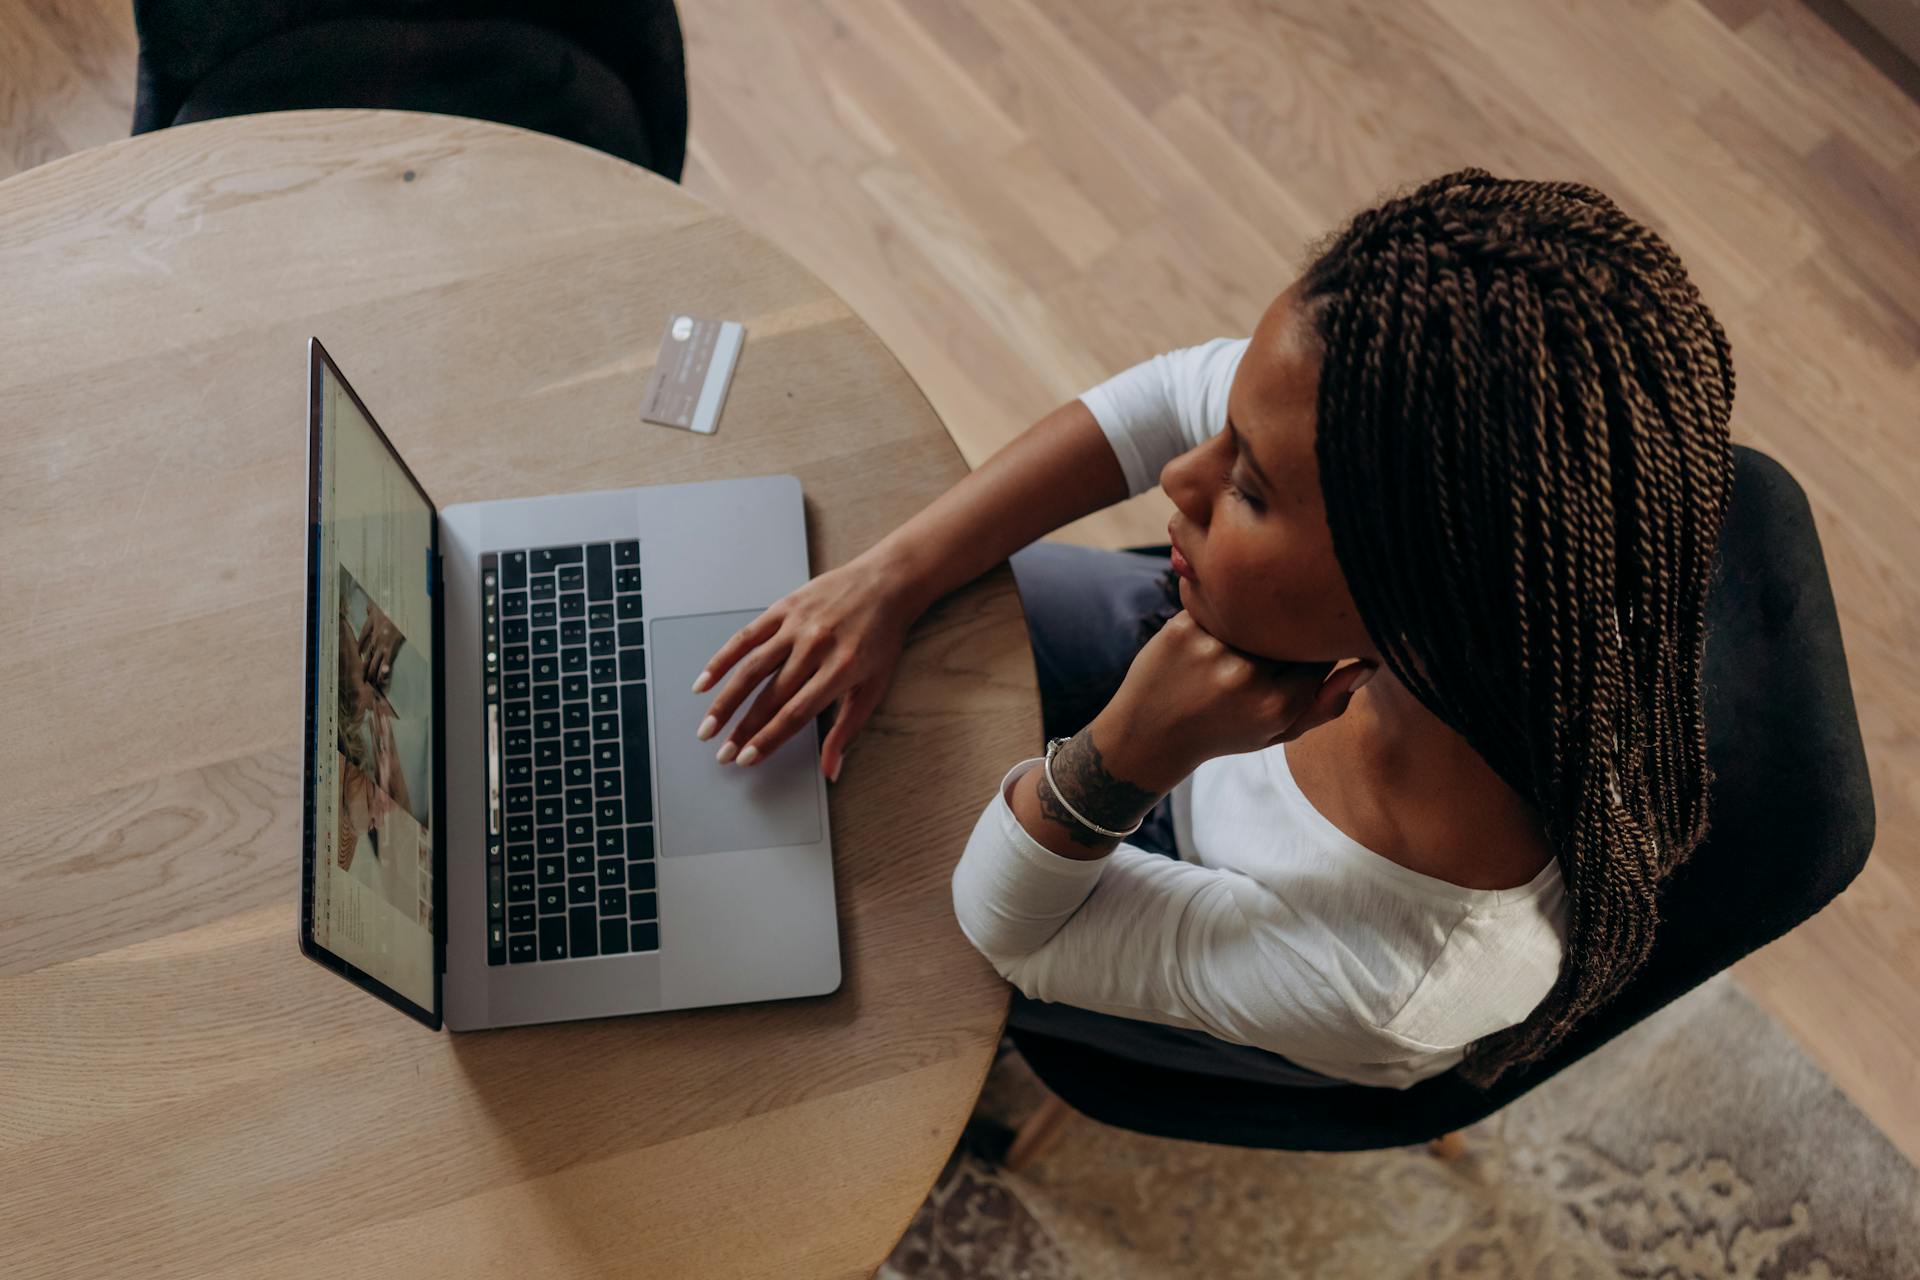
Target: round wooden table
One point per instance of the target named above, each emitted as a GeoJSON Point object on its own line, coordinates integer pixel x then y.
{"type": "Point", "coordinates": [181, 1093]}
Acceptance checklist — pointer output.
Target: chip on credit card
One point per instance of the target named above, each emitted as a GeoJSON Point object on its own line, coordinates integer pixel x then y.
{"type": "Point", "coordinates": [690, 376]}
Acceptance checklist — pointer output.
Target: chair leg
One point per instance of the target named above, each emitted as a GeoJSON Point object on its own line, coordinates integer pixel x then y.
{"type": "Point", "coordinates": [1448, 1146]}
{"type": "Point", "coordinates": [1036, 1135]}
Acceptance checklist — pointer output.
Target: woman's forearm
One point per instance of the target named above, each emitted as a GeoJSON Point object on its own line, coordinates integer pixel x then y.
{"type": "Point", "coordinates": [1059, 469]}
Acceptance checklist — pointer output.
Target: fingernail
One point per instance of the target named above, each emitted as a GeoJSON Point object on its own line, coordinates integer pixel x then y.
{"type": "Point", "coordinates": [726, 752]}
{"type": "Point", "coordinates": [1365, 675]}
{"type": "Point", "coordinates": [706, 728]}
{"type": "Point", "coordinates": [749, 755]}
{"type": "Point", "coordinates": [700, 683]}
{"type": "Point", "coordinates": [834, 774]}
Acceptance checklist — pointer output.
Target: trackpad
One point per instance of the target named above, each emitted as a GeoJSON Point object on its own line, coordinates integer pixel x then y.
{"type": "Point", "coordinates": [708, 806]}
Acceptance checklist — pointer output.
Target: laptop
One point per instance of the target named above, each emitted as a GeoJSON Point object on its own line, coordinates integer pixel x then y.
{"type": "Point", "coordinates": [508, 817]}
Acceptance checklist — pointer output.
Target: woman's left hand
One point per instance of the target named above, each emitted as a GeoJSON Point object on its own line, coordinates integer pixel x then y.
{"type": "Point", "coordinates": [1189, 697]}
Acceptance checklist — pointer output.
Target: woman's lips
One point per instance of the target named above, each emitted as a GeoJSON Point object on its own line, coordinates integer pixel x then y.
{"type": "Point", "coordinates": [1180, 565]}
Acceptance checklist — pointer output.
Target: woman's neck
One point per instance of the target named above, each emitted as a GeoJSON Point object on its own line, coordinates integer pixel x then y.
{"type": "Point", "coordinates": [1398, 779]}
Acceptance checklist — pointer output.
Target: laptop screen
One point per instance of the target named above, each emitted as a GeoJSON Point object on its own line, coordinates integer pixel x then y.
{"type": "Point", "coordinates": [371, 652]}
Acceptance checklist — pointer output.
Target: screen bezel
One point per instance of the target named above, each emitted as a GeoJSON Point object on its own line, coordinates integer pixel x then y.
{"type": "Point", "coordinates": [319, 364]}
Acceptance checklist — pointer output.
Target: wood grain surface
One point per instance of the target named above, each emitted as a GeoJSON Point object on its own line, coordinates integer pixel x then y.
{"type": "Point", "coordinates": [184, 1094]}
{"type": "Point", "coordinates": [1021, 197]}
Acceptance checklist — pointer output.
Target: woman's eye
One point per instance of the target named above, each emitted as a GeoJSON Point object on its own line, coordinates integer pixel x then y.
{"type": "Point", "coordinates": [1242, 494]}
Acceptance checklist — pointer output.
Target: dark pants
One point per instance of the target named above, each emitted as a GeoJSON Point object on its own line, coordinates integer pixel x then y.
{"type": "Point", "coordinates": [1089, 612]}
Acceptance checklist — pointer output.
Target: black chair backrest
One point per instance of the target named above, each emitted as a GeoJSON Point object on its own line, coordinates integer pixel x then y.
{"type": "Point", "coordinates": [1792, 820]}
{"type": "Point", "coordinates": [183, 42]}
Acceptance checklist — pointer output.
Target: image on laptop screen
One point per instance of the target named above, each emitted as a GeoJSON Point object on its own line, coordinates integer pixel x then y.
{"type": "Point", "coordinates": [373, 790]}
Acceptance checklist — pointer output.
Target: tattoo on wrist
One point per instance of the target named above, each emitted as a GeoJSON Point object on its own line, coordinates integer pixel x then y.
{"type": "Point", "coordinates": [1112, 802]}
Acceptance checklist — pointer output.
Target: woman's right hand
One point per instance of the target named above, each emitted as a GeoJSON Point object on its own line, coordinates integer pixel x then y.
{"type": "Point", "coordinates": [837, 636]}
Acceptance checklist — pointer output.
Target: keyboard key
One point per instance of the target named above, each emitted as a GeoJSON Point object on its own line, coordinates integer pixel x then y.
{"type": "Point", "coordinates": [553, 938]}
{"type": "Point", "coordinates": [606, 671]}
{"type": "Point", "coordinates": [551, 898]}
{"type": "Point", "coordinates": [646, 937]}
{"type": "Point", "coordinates": [633, 635]}
{"type": "Point", "coordinates": [625, 580]}
{"type": "Point", "coordinates": [546, 782]}
{"type": "Point", "coordinates": [513, 631]}
{"type": "Point", "coordinates": [545, 615]}
{"type": "Point", "coordinates": [513, 571]}
{"type": "Point", "coordinates": [583, 932]}
{"type": "Point", "coordinates": [600, 644]}
{"type": "Point", "coordinates": [519, 799]}
{"type": "Point", "coordinates": [578, 744]}
{"type": "Point", "coordinates": [553, 870]}
{"type": "Point", "coordinates": [520, 918]}
{"type": "Point", "coordinates": [626, 553]}
{"type": "Point", "coordinates": [519, 888]}
{"type": "Point", "coordinates": [520, 949]}
{"type": "Point", "coordinates": [633, 664]}
{"type": "Point", "coordinates": [580, 861]}
{"type": "Point", "coordinates": [613, 875]}
{"type": "Point", "coordinates": [639, 842]}
{"type": "Point", "coordinates": [546, 724]}
{"type": "Point", "coordinates": [513, 604]}
{"type": "Point", "coordinates": [608, 841]}
{"type": "Point", "coordinates": [546, 697]}
{"type": "Point", "coordinates": [571, 578]}
{"type": "Point", "coordinates": [606, 756]}
{"type": "Point", "coordinates": [608, 726]}
{"type": "Point", "coordinates": [519, 770]}
{"type": "Point", "coordinates": [600, 616]}
{"type": "Point", "coordinates": [574, 715]}
{"type": "Point", "coordinates": [573, 606]}
{"type": "Point", "coordinates": [578, 773]}
{"type": "Point", "coordinates": [628, 607]}
{"type": "Point", "coordinates": [633, 745]}
{"type": "Point", "coordinates": [605, 699]}
{"type": "Point", "coordinates": [581, 889]}
{"type": "Point", "coordinates": [606, 784]}
{"type": "Point", "coordinates": [545, 642]}
{"type": "Point", "coordinates": [520, 859]}
{"type": "Point", "coordinates": [612, 901]}
{"type": "Point", "coordinates": [606, 813]}
{"type": "Point", "coordinates": [545, 668]}
{"type": "Point", "coordinates": [640, 906]}
{"type": "Point", "coordinates": [573, 631]}
{"type": "Point", "coordinates": [541, 588]}
{"type": "Point", "coordinates": [600, 572]}
{"type": "Point", "coordinates": [579, 833]}
{"type": "Point", "coordinates": [639, 876]}
{"type": "Point", "coordinates": [574, 660]}
{"type": "Point", "coordinates": [546, 812]}
{"type": "Point", "coordinates": [554, 557]}
{"type": "Point", "coordinates": [518, 715]}
{"type": "Point", "coordinates": [546, 753]}
{"type": "Point", "coordinates": [513, 658]}
{"type": "Point", "coordinates": [579, 801]}
{"type": "Point", "coordinates": [517, 685]}
{"type": "Point", "coordinates": [573, 688]}
{"type": "Point", "coordinates": [552, 840]}
{"type": "Point", "coordinates": [613, 937]}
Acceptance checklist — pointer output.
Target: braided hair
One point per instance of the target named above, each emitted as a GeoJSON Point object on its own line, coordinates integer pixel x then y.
{"type": "Point", "coordinates": [1523, 451]}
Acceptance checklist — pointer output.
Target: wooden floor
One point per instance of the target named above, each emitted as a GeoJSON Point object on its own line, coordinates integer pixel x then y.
{"type": "Point", "coordinates": [1025, 196]}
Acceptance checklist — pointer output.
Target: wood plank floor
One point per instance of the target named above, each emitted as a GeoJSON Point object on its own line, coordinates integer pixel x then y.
{"type": "Point", "coordinates": [1023, 197]}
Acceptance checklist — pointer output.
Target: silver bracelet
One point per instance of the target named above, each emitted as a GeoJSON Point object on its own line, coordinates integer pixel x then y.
{"type": "Point", "coordinates": [1053, 746]}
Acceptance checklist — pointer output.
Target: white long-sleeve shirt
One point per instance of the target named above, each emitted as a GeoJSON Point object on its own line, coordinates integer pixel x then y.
{"type": "Point", "coordinates": [1273, 928]}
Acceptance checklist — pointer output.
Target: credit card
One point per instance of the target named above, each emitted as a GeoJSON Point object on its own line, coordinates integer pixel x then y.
{"type": "Point", "coordinates": [690, 376]}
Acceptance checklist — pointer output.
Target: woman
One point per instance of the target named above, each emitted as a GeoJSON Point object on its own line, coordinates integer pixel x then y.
{"type": "Point", "coordinates": [1480, 447]}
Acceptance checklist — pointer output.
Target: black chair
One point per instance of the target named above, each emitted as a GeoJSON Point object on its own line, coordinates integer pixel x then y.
{"type": "Point", "coordinates": [1792, 821]}
{"type": "Point", "coordinates": [610, 74]}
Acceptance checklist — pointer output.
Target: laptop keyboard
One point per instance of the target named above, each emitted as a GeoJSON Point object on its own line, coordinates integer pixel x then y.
{"type": "Point", "coordinates": [570, 833]}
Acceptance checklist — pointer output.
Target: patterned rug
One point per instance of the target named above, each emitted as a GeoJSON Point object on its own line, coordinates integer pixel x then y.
{"type": "Point", "coordinates": [1700, 1143]}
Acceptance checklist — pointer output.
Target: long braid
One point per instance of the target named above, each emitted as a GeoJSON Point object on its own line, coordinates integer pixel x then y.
{"type": "Point", "coordinates": [1524, 453]}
